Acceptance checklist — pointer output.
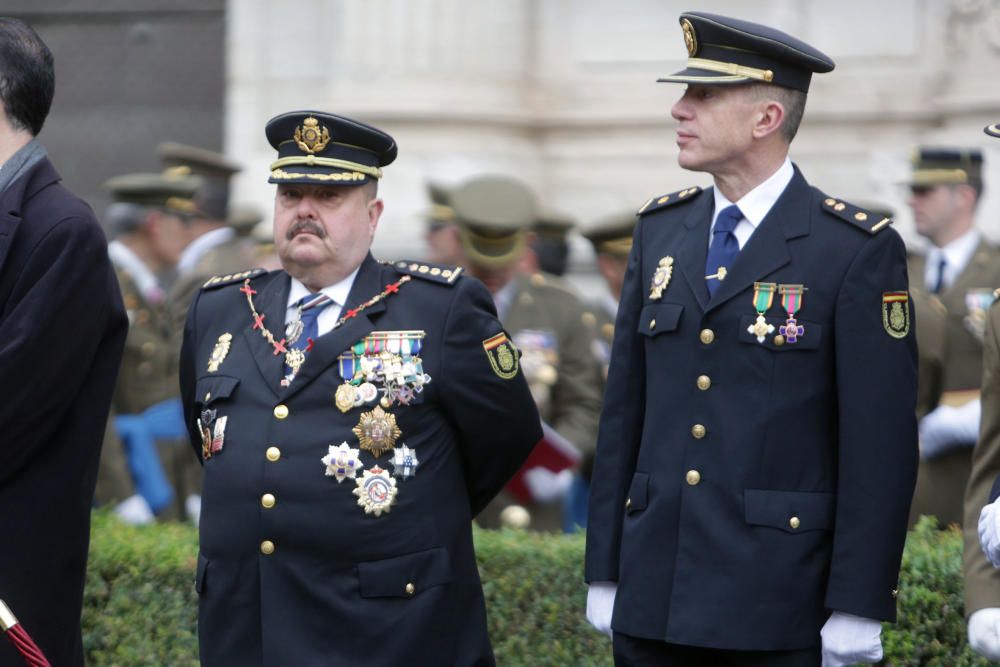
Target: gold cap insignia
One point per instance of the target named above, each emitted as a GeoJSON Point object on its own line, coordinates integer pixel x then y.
{"type": "Point", "coordinates": [311, 136]}
{"type": "Point", "coordinates": [690, 41]}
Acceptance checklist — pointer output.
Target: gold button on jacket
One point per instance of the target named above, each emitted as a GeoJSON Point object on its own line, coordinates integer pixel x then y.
{"type": "Point", "coordinates": [273, 454]}
{"type": "Point", "coordinates": [693, 477]}
{"type": "Point", "coordinates": [267, 547]}
{"type": "Point", "coordinates": [707, 336]}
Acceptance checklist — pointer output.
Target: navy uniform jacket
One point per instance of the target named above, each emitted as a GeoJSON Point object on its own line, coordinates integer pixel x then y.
{"type": "Point", "coordinates": [337, 588]}
{"type": "Point", "coordinates": [63, 328]}
{"type": "Point", "coordinates": [793, 502]}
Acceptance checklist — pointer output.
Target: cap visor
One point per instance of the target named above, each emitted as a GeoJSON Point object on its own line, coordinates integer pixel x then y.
{"type": "Point", "coordinates": [703, 76]}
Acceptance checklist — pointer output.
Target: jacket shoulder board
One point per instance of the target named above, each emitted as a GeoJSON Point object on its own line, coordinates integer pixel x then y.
{"type": "Point", "coordinates": [436, 273]}
{"type": "Point", "coordinates": [656, 203]}
{"type": "Point", "coordinates": [230, 278]}
{"type": "Point", "coordinates": [859, 217]}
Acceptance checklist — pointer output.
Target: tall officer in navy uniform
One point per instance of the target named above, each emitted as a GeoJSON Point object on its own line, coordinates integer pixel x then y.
{"type": "Point", "coordinates": [757, 448]}
{"type": "Point", "coordinates": [352, 417]}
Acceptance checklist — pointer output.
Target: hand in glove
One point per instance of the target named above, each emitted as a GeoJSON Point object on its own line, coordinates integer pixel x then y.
{"type": "Point", "coordinates": [989, 532]}
{"type": "Point", "coordinates": [135, 511]}
{"type": "Point", "coordinates": [984, 633]}
{"type": "Point", "coordinates": [849, 639]}
{"type": "Point", "coordinates": [600, 603]}
{"type": "Point", "coordinates": [546, 486]}
{"type": "Point", "coordinates": [946, 428]}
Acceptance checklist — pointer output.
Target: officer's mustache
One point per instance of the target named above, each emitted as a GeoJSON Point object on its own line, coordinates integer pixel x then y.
{"type": "Point", "coordinates": [305, 226]}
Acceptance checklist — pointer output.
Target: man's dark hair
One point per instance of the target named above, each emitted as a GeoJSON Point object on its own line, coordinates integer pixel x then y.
{"type": "Point", "coordinates": [794, 102]}
{"type": "Point", "coordinates": [27, 76]}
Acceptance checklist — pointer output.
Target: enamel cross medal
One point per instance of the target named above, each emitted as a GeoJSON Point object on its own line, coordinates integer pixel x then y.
{"type": "Point", "coordinates": [791, 301]}
{"type": "Point", "coordinates": [763, 296]}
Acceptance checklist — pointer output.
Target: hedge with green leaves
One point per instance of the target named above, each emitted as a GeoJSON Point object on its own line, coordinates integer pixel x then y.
{"type": "Point", "coordinates": [140, 607]}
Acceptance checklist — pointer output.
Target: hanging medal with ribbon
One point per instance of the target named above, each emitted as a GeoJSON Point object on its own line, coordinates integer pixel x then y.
{"type": "Point", "coordinates": [763, 297]}
{"type": "Point", "coordinates": [791, 301]}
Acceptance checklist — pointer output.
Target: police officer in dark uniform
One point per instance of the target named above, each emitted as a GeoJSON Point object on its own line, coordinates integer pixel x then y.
{"type": "Point", "coordinates": [353, 417]}
{"type": "Point", "coordinates": [757, 449]}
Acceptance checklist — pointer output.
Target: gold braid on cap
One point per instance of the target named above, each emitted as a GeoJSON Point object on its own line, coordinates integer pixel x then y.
{"type": "Point", "coordinates": [313, 161]}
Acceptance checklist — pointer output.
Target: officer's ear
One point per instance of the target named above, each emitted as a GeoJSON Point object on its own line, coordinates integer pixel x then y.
{"type": "Point", "coordinates": [769, 116]}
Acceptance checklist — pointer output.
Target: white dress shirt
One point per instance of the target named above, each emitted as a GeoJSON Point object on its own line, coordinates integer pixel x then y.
{"type": "Point", "coordinates": [123, 258]}
{"type": "Point", "coordinates": [956, 256]}
{"type": "Point", "coordinates": [328, 316]}
{"type": "Point", "coordinates": [200, 246]}
{"type": "Point", "coordinates": [756, 204]}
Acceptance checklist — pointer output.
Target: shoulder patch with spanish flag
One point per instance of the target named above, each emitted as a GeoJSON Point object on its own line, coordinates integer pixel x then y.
{"type": "Point", "coordinates": [896, 313]}
{"type": "Point", "coordinates": [502, 355]}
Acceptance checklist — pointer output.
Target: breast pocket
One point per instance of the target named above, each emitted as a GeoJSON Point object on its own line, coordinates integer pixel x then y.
{"type": "Point", "coordinates": [659, 318]}
{"type": "Point", "coordinates": [214, 388]}
{"type": "Point", "coordinates": [778, 335]}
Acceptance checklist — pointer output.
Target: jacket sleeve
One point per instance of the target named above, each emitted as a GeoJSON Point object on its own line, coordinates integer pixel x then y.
{"type": "Point", "coordinates": [620, 428]}
{"type": "Point", "coordinates": [982, 580]}
{"type": "Point", "coordinates": [876, 375]}
{"type": "Point", "coordinates": [187, 375]}
{"type": "Point", "coordinates": [492, 409]}
{"type": "Point", "coordinates": [577, 397]}
{"type": "Point", "coordinates": [64, 303]}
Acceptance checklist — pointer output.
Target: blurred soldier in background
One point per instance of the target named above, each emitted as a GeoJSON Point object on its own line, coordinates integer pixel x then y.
{"type": "Point", "coordinates": [962, 270]}
{"type": "Point", "coordinates": [441, 235]}
{"type": "Point", "coordinates": [545, 321]}
{"type": "Point", "coordinates": [63, 327]}
{"type": "Point", "coordinates": [148, 224]}
{"type": "Point", "coordinates": [982, 579]}
{"type": "Point", "coordinates": [220, 241]}
{"type": "Point", "coordinates": [612, 240]}
{"type": "Point", "coordinates": [547, 249]}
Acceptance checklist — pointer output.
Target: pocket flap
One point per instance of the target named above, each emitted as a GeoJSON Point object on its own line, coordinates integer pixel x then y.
{"type": "Point", "coordinates": [214, 387]}
{"type": "Point", "coordinates": [199, 580]}
{"type": "Point", "coordinates": [637, 492]}
{"type": "Point", "coordinates": [657, 318]}
{"type": "Point", "coordinates": [790, 511]}
{"type": "Point", "coordinates": [405, 576]}
{"type": "Point", "coordinates": [809, 338]}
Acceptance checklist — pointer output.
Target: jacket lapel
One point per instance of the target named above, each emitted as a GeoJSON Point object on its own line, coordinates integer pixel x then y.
{"type": "Point", "coordinates": [329, 346]}
{"type": "Point", "coordinates": [12, 201]}
{"type": "Point", "coordinates": [693, 248]}
{"type": "Point", "coordinates": [271, 302]}
{"type": "Point", "coordinates": [767, 249]}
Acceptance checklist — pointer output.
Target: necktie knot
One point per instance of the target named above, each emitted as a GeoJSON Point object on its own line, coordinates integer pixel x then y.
{"type": "Point", "coordinates": [727, 220]}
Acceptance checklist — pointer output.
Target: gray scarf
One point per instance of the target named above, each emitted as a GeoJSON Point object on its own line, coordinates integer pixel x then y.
{"type": "Point", "coordinates": [20, 162]}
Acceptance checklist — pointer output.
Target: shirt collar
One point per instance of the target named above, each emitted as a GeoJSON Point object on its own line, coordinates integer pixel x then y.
{"type": "Point", "coordinates": [125, 259]}
{"type": "Point", "coordinates": [337, 292]}
{"type": "Point", "coordinates": [200, 246]}
{"type": "Point", "coordinates": [957, 253]}
{"type": "Point", "coordinates": [756, 204]}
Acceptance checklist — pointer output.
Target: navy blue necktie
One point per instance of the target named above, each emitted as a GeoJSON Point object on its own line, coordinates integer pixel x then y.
{"type": "Point", "coordinates": [939, 283]}
{"type": "Point", "coordinates": [724, 248]}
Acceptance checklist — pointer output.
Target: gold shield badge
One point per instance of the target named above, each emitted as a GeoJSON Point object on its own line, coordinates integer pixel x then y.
{"type": "Point", "coordinates": [219, 352]}
{"type": "Point", "coordinates": [661, 277]}
{"type": "Point", "coordinates": [896, 313]}
{"type": "Point", "coordinates": [311, 136]}
{"type": "Point", "coordinates": [502, 355]}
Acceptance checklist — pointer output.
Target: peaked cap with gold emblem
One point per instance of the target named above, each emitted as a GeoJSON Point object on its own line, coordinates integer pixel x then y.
{"type": "Point", "coordinates": [723, 50]}
{"type": "Point", "coordinates": [325, 149]}
{"type": "Point", "coordinates": [494, 214]}
{"type": "Point", "coordinates": [173, 193]}
{"type": "Point", "coordinates": [946, 166]}
{"type": "Point", "coordinates": [612, 235]}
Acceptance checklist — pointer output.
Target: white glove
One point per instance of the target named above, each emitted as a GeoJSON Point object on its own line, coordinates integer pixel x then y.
{"type": "Point", "coordinates": [600, 604]}
{"type": "Point", "coordinates": [947, 427]}
{"type": "Point", "coordinates": [192, 505]}
{"type": "Point", "coordinates": [545, 485]}
{"type": "Point", "coordinates": [989, 532]}
{"type": "Point", "coordinates": [134, 511]}
{"type": "Point", "coordinates": [849, 639]}
{"type": "Point", "coordinates": [984, 633]}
